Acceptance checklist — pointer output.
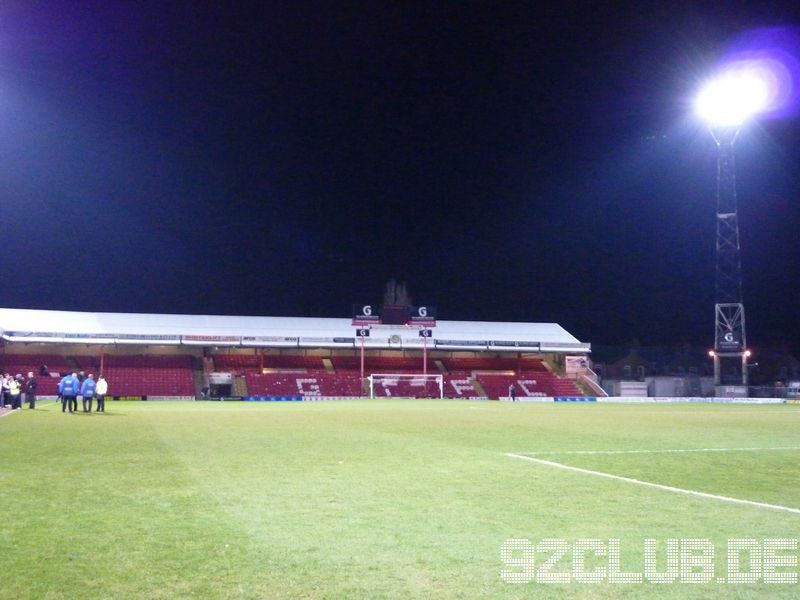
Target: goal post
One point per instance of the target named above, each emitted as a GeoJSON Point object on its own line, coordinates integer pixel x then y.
{"type": "Point", "coordinates": [405, 385]}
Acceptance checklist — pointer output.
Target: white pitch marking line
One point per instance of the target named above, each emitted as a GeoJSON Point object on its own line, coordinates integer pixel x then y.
{"type": "Point", "coordinates": [663, 451]}
{"type": "Point", "coordinates": [657, 486]}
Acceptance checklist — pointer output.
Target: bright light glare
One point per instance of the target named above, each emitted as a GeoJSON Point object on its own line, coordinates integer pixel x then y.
{"type": "Point", "coordinates": [733, 97]}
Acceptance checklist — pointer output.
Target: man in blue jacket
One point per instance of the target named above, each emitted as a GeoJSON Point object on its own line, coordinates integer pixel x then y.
{"type": "Point", "coordinates": [87, 392]}
{"type": "Point", "coordinates": [68, 387]}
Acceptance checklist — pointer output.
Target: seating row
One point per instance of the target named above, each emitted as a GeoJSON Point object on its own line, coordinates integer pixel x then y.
{"type": "Point", "coordinates": [323, 384]}
{"type": "Point", "coordinates": [532, 385]}
{"type": "Point", "coordinates": [374, 364]}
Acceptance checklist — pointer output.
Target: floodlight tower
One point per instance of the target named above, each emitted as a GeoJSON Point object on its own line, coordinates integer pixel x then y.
{"type": "Point", "coordinates": [730, 337]}
{"type": "Point", "coordinates": [726, 103]}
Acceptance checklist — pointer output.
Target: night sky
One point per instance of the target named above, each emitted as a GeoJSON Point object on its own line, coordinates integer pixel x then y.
{"type": "Point", "coordinates": [509, 161]}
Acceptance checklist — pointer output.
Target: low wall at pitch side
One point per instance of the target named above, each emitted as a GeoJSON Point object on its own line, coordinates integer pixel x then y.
{"type": "Point", "coordinates": [689, 400]}
{"type": "Point", "coordinates": [527, 399]}
{"type": "Point", "coordinates": [651, 400]}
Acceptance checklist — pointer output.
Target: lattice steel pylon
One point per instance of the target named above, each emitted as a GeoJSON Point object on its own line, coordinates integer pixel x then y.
{"type": "Point", "coordinates": [729, 324]}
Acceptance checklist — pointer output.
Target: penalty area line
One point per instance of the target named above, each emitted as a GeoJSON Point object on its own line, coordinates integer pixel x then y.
{"type": "Point", "coordinates": [658, 486]}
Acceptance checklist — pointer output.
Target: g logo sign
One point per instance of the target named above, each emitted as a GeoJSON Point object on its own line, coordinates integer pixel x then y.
{"type": "Point", "coordinates": [367, 310]}
{"type": "Point", "coordinates": [729, 337]}
{"type": "Point", "coordinates": [422, 311]}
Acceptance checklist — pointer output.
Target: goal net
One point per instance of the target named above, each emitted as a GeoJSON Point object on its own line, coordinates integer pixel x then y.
{"type": "Point", "coordinates": [405, 385]}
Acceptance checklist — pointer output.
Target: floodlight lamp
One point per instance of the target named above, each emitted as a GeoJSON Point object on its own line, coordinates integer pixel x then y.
{"type": "Point", "coordinates": [748, 354]}
{"type": "Point", "coordinates": [711, 353]}
{"type": "Point", "coordinates": [729, 100]}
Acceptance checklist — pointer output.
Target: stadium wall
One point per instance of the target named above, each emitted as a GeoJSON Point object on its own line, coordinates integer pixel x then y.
{"type": "Point", "coordinates": [690, 400]}
{"type": "Point", "coordinates": [538, 400]}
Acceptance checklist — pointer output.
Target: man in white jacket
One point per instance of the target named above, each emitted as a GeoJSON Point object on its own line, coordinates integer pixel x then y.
{"type": "Point", "coordinates": [101, 389]}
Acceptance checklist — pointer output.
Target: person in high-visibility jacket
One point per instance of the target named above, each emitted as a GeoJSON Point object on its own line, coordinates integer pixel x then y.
{"type": "Point", "coordinates": [15, 392]}
{"type": "Point", "coordinates": [69, 387]}
{"type": "Point", "coordinates": [88, 392]}
{"type": "Point", "coordinates": [101, 389]}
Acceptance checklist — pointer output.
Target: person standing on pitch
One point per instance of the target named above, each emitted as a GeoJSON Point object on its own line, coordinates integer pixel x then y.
{"type": "Point", "coordinates": [5, 397]}
{"type": "Point", "coordinates": [81, 377]}
{"type": "Point", "coordinates": [68, 388]}
{"type": "Point", "coordinates": [14, 392]}
{"type": "Point", "coordinates": [101, 389]}
{"type": "Point", "coordinates": [77, 391]}
{"type": "Point", "coordinates": [87, 392]}
{"type": "Point", "coordinates": [30, 390]}
{"type": "Point", "coordinates": [512, 393]}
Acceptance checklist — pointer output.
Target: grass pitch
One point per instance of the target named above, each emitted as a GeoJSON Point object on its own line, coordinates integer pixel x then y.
{"type": "Point", "coordinates": [374, 498]}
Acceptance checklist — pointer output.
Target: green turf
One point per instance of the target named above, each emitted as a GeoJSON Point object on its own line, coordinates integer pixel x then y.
{"type": "Point", "coordinates": [399, 499]}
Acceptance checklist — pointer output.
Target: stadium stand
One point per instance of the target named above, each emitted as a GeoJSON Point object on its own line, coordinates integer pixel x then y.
{"type": "Point", "coordinates": [176, 355]}
{"type": "Point", "coordinates": [380, 364]}
{"type": "Point", "coordinates": [236, 362]}
{"type": "Point", "coordinates": [249, 362]}
{"type": "Point", "coordinates": [293, 375]}
{"type": "Point", "coordinates": [311, 384]}
{"type": "Point", "coordinates": [149, 361]}
{"type": "Point", "coordinates": [406, 388]}
{"type": "Point", "coordinates": [143, 374]}
{"type": "Point", "coordinates": [467, 377]}
{"type": "Point", "coordinates": [149, 382]}
{"type": "Point", "coordinates": [23, 363]}
{"type": "Point", "coordinates": [149, 375]}
{"type": "Point", "coordinates": [493, 364]}
{"type": "Point", "coordinates": [540, 384]}
{"type": "Point", "coordinates": [461, 385]}
{"type": "Point", "coordinates": [283, 361]}
{"type": "Point", "coordinates": [32, 362]}
{"type": "Point", "coordinates": [172, 355]}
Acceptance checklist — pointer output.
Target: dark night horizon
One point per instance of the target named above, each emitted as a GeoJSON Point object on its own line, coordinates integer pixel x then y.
{"type": "Point", "coordinates": [508, 163]}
